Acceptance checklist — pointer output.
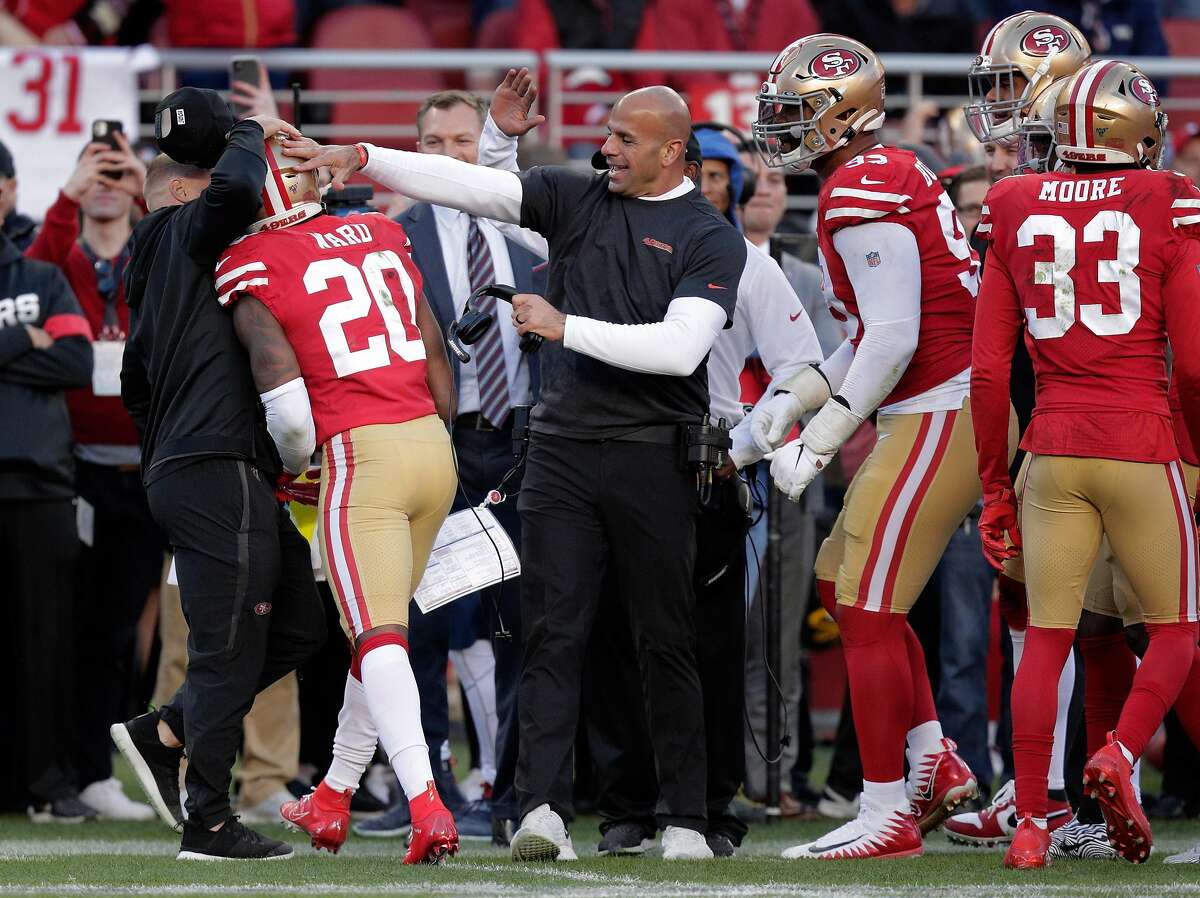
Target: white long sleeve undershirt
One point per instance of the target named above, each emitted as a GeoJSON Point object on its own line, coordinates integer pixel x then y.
{"type": "Point", "coordinates": [889, 304]}
{"type": "Point", "coordinates": [429, 178]}
{"type": "Point", "coordinates": [674, 346]}
{"type": "Point", "coordinates": [290, 424]}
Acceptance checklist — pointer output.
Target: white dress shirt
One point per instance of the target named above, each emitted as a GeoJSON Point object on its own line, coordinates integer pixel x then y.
{"type": "Point", "coordinates": [452, 229]}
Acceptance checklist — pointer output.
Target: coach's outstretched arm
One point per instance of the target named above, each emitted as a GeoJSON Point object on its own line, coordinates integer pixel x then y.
{"type": "Point", "coordinates": [425, 177]}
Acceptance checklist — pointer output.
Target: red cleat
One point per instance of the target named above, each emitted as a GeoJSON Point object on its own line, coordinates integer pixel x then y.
{"type": "Point", "coordinates": [323, 813]}
{"type": "Point", "coordinates": [434, 835]}
{"type": "Point", "coordinates": [997, 823]}
{"type": "Point", "coordinates": [1106, 777]}
{"type": "Point", "coordinates": [941, 783]}
{"type": "Point", "coordinates": [1030, 847]}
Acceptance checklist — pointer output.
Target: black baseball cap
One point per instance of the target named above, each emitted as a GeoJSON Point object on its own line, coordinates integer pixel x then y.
{"type": "Point", "coordinates": [191, 124]}
{"type": "Point", "coordinates": [7, 169]}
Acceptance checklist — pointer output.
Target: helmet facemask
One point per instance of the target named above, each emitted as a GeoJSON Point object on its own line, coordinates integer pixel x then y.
{"type": "Point", "coordinates": [787, 132]}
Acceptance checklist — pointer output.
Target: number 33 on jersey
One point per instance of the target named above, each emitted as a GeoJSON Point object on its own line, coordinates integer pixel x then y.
{"type": "Point", "coordinates": [345, 292]}
{"type": "Point", "coordinates": [1100, 269]}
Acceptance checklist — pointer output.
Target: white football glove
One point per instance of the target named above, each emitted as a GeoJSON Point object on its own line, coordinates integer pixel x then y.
{"type": "Point", "coordinates": [772, 419]}
{"type": "Point", "coordinates": [798, 463]}
{"type": "Point", "coordinates": [795, 466]}
{"type": "Point", "coordinates": [743, 452]}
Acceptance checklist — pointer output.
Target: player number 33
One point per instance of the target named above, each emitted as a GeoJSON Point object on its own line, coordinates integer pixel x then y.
{"type": "Point", "coordinates": [1120, 271]}
{"type": "Point", "coordinates": [366, 287]}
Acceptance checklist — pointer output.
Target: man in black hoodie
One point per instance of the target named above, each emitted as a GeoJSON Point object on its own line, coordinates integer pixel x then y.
{"type": "Point", "coordinates": [45, 348]}
{"type": "Point", "coordinates": [210, 471]}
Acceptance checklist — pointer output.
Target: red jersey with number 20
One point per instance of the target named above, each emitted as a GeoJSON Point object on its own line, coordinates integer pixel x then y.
{"type": "Point", "coordinates": [345, 292]}
{"type": "Point", "coordinates": [1099, 269]}
{"type": "Point", "coordinates": [886, 184]}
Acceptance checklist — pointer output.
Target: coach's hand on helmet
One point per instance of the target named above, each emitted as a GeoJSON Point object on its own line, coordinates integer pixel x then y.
{"type": "Point", "coordinates": [511, 104]}
{"type": "Point", "coordinates": [342, 161]}
{"type": "Point", "coordinates": [273, 125]}
{"type": "Point", "coordinates": [533, 315]}
{"type": "Point", "coordinates": [999, 516]}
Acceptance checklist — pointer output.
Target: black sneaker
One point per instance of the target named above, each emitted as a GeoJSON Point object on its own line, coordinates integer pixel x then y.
{"type": "Point", "coordinates": [62, 810]}
{"type": "Point", "coordinates": [156, 765]}
{"type": "Point", "coordinates": [625, 839]}
{"type": "Point", "coordinates": [721, 845]}
{"type": "Point", "coordinates": [364, 805]}
{"type": "Point", "coordinates": [502, 831]}
{"type": "Point", "coordinates": [232, 842]}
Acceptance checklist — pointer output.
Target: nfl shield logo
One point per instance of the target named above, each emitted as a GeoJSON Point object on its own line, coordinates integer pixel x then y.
{"type": "Point", "coordinates": [873, 260]}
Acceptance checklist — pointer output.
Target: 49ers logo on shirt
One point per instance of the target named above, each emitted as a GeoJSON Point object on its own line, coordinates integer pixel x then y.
{"type": "Point", "coordinates": [1046, 40]}
{"type": "Point", "coordinates": [1145, 91]}
{"type": "Point", "coordinates": [835, 64]}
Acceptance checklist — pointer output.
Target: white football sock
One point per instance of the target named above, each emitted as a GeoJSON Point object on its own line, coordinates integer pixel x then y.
{"type": "Point", "coordinates": [1056, 779]}
{"type": "Point", "coordinates": [395, 706]}
{"type": "Point", "coordinates": [354, 741]}
{"type": "Point", "coordinates": [476, 668]}
{"type": "Point", "coordinates": [1017, 637]}
{"type": "Point", "coordinates": [884, 799]}
{"type": "Point", "coordinates": [922, 740]}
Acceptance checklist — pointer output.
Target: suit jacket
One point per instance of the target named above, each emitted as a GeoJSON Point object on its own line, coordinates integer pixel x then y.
{"type": "Point", "coordinates": [529, 272]}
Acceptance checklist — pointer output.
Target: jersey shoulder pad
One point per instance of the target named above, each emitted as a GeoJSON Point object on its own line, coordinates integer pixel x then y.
{"type": "Point", "coordinates": [242, 266]}
{"type": "Point", "coordinates": [1000, 197]}
{"type": "Point", "coordinates": [1185, 205]}
{"type": "Point", "coordinates": [869, 187]}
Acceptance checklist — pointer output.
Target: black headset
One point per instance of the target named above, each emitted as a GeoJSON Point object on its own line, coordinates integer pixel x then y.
{"type": "Point", "coordinates": [474, 324]}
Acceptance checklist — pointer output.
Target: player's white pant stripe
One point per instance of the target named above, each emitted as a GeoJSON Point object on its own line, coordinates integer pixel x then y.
{"type": "Point", "coordinates": [1189, 549]}
{"type": "Point", "coordinates": [895, 521]}
{"type": "Point", "coordinates": [337, 534]}
{"type": "Point", "coordinates": [238, 272]}
{"type": "Point", "coordinates": [1082, 123]}
{"type": "Point", "coordinates": [862, 213]}
{"type": "Point", "coordinates": [877, 195]}
{"type": "Point", "coordinates": [223, 299]}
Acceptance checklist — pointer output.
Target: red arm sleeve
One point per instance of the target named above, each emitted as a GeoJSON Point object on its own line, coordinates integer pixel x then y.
{"type": "Point", "coordinates": [997, 326]}
{"type": "Point", "coordinates": [1181, 300]}
{"type": "Point", "coordinates": [58, 233]}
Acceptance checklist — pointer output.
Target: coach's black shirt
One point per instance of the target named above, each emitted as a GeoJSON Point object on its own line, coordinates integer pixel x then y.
{"type": "Point", "coordinates": [623, 260]}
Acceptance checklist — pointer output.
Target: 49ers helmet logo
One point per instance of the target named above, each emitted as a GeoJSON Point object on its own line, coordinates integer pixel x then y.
{"type": "Point", "coordinates": [835, 64]}
{"type": "Point", "coordinates": [1144, 90]}
{"type": "Point", "coordinates": [1046, 40]}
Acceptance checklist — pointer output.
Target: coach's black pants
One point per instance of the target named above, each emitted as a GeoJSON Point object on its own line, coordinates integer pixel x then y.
{"type": "Point", "coordinates": [116, 575]}
{"type": "Point", "coordinates": [39, 548]}
{"type": "Point", "coordinates": [253, 615]}
{"type": "Point", "coordinates": [626, 785]}
{"type": "Point", "coordinates": [622, 513]}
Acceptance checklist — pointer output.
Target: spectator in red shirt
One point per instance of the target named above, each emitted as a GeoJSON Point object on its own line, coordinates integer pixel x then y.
{"type": "Point", "coordinates": [85, 233]}
{"type": "Point", "coordinates": [231, 23]}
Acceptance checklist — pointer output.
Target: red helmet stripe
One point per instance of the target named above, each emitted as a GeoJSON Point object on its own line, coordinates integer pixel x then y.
{"type": "Point", "coordinates": [1089, 103]}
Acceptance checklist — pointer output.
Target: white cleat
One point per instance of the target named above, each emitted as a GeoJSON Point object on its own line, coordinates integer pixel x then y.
{"type": "Point", "coordinates": [542, 837]}
{"type": "Point", "coordinates": [109, 799]}
{"type": "Point", "coordinates": [870, 835]}
{"type": "Point", "coordinates": [682, 844]}
{"type": "Point", "coordinates": [1191, 856]}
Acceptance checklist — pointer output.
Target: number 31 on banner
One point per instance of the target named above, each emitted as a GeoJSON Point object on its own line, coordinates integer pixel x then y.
{"type": "Point", "coordinates": [50, 93]}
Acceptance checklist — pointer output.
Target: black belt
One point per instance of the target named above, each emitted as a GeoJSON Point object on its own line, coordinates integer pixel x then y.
{"type": "Point", "coordinates": [476, 421]}
{"type": "Point", "coordinates": [663, 434]}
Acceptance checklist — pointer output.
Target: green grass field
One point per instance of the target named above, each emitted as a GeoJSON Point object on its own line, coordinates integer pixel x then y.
{"type": "Point", "coordinates": [138, 859]}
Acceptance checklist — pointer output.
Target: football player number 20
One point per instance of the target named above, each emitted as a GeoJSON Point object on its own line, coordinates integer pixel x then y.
{"type": "Point", "coordinates": [367, 287]}
{"type": "Point", "coordinates": [1120, 271]}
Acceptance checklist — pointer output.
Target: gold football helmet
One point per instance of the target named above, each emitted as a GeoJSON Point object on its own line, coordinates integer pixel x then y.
{"type": "Point", "coordinates": [1035, 135]}
{"type": "Point", "coordinates": [821, 91]}
{"type": "Point", "coordinates": [1021, 55]}
{"type": "Point", "coordinates": [1109, 113]}
{"type": "Point", "coordinates": [286, 190]}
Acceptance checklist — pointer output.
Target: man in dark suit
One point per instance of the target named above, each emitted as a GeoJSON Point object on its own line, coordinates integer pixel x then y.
{"type": "Point", "coordinates": [457, 253]}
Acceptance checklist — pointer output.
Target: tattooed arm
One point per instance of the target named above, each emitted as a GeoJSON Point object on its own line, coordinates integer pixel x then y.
{"type": "Point", "coordinates": [278, 380]}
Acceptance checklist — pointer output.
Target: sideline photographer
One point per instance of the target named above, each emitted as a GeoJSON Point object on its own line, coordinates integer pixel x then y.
{"type": "Point", "coordinates": [643, 276]}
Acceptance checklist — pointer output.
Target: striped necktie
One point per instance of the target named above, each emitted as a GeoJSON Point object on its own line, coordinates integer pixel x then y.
{"type": "Point", "coordinates": [490, 371]}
